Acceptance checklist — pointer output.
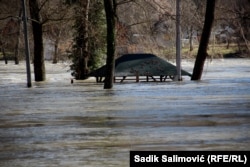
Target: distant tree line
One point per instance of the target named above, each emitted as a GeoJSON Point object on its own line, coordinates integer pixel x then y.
{"type": "Point", "coordinates": [86, 31]}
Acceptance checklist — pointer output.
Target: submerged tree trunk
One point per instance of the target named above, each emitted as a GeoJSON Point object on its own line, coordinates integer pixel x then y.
{"type": "Point", "coordinates": [37, 29]}
{"type": "Point", "coordinates": [82, 40]}
{"type": "Point", "coordinates": [202, 51]}
{"type": "Point", "coordinates": [110, 9]}
{"type": "Point", "coordinates": [4, 56]}
{"type": "Point", "coordinates": [84, 57]}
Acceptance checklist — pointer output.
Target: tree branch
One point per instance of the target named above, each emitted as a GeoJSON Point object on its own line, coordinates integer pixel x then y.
{"type": "Point", "coordinates": [4, 18]}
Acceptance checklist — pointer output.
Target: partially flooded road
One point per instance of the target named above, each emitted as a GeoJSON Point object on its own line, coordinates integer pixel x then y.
{"type": "Point", "coordinates": [56, 123]}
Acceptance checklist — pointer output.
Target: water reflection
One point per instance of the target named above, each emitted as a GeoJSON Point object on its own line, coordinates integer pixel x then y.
{"type": "Point", "coordinates": [56, 123]}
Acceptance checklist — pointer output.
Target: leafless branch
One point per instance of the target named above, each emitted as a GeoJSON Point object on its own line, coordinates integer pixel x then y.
{"type": "Point", "coordinates": [7, 17]}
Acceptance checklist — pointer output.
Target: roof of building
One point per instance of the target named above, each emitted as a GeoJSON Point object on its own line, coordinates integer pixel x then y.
{"type": "Point", "coordinates": [141, 65]}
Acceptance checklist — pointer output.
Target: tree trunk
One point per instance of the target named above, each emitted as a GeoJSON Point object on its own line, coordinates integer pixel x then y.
{"type": "Point", "coordinates": [17, 49]}
{"type": "Point", "coordinates": [18, 38]}
{"type": "Point", "coordinates": [84, 57]}
{"type": "Point", "coordinates": [202, 51]}
{"type": "Point", "coordinates": [5, 56]}
{"type": "Point", "coordinates": [37, 29]}
{"type": "Point", "coordinates": [191, 47]}
{"type": "Point", "coordinates": [110, 9]}
{"type": "Point", "coordinates": [55, 57]}
{"type": "Point", "coordinates": [82, 40]}
{"type": "Point", "coordinates": [244, 38]}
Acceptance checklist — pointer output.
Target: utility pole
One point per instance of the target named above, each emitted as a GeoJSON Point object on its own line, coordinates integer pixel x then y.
{"type": "Point", "coordinates": [27, 50]}
{"type": "Point", "coordinates": [178, 41]}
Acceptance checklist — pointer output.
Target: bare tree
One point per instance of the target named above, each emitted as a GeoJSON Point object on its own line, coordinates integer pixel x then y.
{"type": "Point", "coordinates": [42, 13]}
{"type": "Point", "coordinates": [202, 51]}
{"type": "Point", "coordinates": [10, 27]}
{"type": "Point", "coordinates": [57, 27]}
{"type": "Point", "coordinates": [242, 12]}
{"type": "Point", "coordinates": [37, 29]}
{"type": "Point", "coordinates": [82, 40]}
{"type": "Point", "coordinates": [232, 18]}
{"type": "Point", "coordinates": [191, 21]}
{"type": "Point", "coordinates": [18, 37]}
{"type": "Point", "coordinates": [149, 26]}
{"type": "Point", "coordinates": [110, 10]}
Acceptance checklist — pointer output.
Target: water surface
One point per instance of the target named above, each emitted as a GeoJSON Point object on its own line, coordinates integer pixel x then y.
{"type": "Point", "coordinates": [56, 123]}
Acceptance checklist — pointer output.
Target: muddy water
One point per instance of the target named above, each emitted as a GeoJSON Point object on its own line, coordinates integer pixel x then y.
{"type": "Point", "coordinates": [56, 123]}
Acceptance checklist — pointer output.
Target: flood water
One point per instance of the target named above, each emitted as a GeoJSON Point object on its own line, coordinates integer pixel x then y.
{"type": "Point", "coordinates": [56, 123]}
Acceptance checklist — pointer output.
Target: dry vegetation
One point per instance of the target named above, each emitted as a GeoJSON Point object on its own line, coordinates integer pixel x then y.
{"type": "Point", "coordinates": [143, 26]}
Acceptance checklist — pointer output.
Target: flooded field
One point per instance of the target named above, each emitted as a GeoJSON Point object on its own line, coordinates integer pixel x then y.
{"type": "Point", "coordinates": [56, 123]}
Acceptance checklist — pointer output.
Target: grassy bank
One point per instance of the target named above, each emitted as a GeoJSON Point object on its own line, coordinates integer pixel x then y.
{"type": "Point", "coordinates": [218, 51]}
{"type": "Point", "coordinates": [214, 51]}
